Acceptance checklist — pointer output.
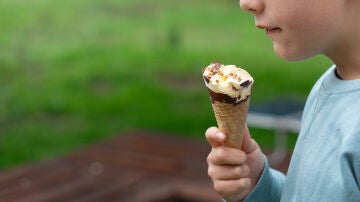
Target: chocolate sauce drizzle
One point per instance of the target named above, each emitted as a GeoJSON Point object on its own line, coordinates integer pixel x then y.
{"type": "Point", "coordinates": [220, 97]}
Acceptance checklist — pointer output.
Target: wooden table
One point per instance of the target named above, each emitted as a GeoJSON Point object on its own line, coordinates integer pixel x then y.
{"type": "Point", "coordinates": [134, 167]}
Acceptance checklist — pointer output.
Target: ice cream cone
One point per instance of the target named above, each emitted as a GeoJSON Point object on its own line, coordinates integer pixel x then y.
{"type": "Point", "coordinates": [231, 120]}
{"type": "Point", "coordinates": [229, 88]}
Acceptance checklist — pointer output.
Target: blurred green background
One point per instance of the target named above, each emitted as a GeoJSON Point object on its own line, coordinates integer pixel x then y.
{"type": "Point", "coordinates": [76, 72]}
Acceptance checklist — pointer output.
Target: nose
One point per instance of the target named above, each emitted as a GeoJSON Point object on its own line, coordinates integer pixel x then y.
{"type": "Point", "coordinates": [252, 6]}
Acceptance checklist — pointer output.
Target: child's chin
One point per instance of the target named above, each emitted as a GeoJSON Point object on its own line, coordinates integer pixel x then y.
{"type": "Point", "coordinates": [287, 55]}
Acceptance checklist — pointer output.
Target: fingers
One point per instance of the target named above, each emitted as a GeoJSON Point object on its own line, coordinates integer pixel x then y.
{"type": "Point", "coordinates": [231, 169]}
{"type": "Point", "coordinates": [227, 163]}
{"type": "Point", "coordinates": [228, 172]}
{"type": "Point", "coordinates": [226, 156]}
{"type": "Point", "coordinates": [215, 137]}
{"type": "Point", "coordinates": [228, 188]}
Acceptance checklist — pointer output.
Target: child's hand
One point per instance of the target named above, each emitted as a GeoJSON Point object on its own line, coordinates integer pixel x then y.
{"type": "Point", "coordinates": [234, 172]}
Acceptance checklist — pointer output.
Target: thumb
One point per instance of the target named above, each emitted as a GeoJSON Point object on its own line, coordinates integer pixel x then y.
{"type": "Point", "coordinates": [248, 144]}
{"type": "Point", "coordinates": [215, 137]}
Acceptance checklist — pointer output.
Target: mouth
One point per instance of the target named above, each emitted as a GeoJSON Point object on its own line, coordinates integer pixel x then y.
{"type": "Point", "coordinates": [272, 29]}
{"type": "Point", "coordinates": [269, 29]}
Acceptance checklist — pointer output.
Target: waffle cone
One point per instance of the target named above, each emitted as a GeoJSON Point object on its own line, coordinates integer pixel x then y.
{"type": "Point", "coordinates": [231, 120]}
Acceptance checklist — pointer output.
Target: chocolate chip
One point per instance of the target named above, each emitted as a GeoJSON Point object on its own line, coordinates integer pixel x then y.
{"type": "Point", "coordinates": [245, 83]}
{"type": "Point", "coordinates": [207, 79]}
{"type": "Point", "coordinates": [234, 88]}
{"type": "Point", "coordinates": [217, 65]}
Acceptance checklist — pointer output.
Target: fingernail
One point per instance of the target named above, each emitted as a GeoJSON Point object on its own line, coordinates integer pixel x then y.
{"type": "Point", "coordinates": [220, 135]}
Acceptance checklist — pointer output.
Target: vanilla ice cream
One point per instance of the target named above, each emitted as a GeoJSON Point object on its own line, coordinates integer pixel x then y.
{"type": "Point", "coordinates": [227, 83]}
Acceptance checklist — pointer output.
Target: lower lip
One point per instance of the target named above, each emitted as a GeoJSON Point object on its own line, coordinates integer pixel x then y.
{"type": "Point", "coordinates": [273, 31]}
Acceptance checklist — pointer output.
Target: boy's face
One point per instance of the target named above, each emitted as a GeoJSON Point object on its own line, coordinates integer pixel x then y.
{"type": "Point", "coordinates": [298, 29]}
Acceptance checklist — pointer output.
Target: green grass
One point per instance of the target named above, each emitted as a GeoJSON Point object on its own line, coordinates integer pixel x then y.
{"type": "Point", "coordinates": [76, 72]}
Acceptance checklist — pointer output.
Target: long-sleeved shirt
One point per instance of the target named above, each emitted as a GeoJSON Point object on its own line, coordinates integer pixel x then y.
{"type": "Point", "coordinates": [325, 164]}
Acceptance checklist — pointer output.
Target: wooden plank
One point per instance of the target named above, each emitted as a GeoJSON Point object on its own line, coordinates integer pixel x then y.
{"type": "Point", "coordinates": [159, 145]}
{"type": "Point", "coordinates": [83, 188]}
{"type": "Point", "coordinates": [15, 176]}
{"type": "Point", "coordinates": [136, 167]}
{"type": "Point", "coordinates": [107, 192]}
{"type": "Point", "coordinates": [27, 181]}
{"type": "Point", "coordinates": [129, 159]}
{"type": "Point", "coordinates": [49, 180]}
{"type": "Point", "coordinates": [146, 152]}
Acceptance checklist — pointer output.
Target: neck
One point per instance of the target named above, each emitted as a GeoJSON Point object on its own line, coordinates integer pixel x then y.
{"type": "Point", "coordinates": [346, 52]}
{"type": "Point", "coordinates": [347, 64]}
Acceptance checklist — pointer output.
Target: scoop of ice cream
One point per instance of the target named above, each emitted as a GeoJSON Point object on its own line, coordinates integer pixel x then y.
{"type": "Point", "coordinates": [227, 83]}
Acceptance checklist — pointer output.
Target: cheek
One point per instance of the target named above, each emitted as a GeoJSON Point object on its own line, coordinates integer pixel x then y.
{"type": "Point", "coordinates": [302, 38]}
{"type": "Point", "coordinates": [307, 30]}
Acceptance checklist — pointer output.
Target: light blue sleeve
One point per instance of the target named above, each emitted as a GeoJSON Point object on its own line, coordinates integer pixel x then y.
{"type": "Point", "coordinates": [269, 186]}
{"type": "Point", "coordinates": [350, 167]}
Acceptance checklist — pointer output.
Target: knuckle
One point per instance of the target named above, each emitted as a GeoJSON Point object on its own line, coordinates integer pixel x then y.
{"type": "Point", "coordinates": [242, 171]}
{"type": "Point", "coordinates": [243, 183]}
{"type": "Point", "coordinates": [239, 170]}
{"type": "Point", "coordinates": [221, 189]}
{"type": "Point", "coordinates": [254, 146]}
{"type": "Point", "coordinates": [242, 157]}
{"type": "Point", "coordinates": [246, 171]}
{"type": "Point", "coordinates": [211, 172]}
{"type": "Point", "coordinates": [226, 190]}
{"type": "Point", "coordinates": [217, 186]}
{"type": "Point", "coordinates": [210, 158]}
{"type": "Point", "coordinates": [220, 154]}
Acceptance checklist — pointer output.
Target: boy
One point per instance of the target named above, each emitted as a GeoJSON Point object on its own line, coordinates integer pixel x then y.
{"type": "Point", "coordinates": [325, 165]}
